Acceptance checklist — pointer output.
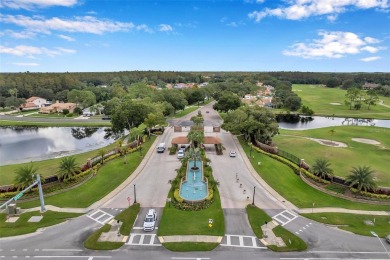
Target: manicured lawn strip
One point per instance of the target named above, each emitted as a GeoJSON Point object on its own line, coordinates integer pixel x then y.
{"type": "Point", "coordinates": [107, 179]}
{"type": "Point", "coordinates": [342, 159]}
{"type": "Point", "coordinates": [46, 167]}
{"type": "Point", "coordinates": [189, 247]}
{"type": "Point", "coordinates": [180, 222]}
{"type": "Point", "coordinates": [320, 98]}
{"type": "Point", "coordinates": [52, 115]}
{"type": "Point", "coordinates": [127, 217]}
{"type": "Point", "coordinates": [289, 185]}
{"type": "Point", "coordinates": [258, 217]}
{"type": "Point", "coordinates": [297, 244]}
{"type": "Point", "coordinates": [92, 240]}
{"type": "Point", "coordinates": [354, 223]}
{"type": "Point", "coordinates": [78, 123]}
{"type": "Point", "coordinates": [21, 226]}
{"type": "Point", "coordinates": [186, 111]}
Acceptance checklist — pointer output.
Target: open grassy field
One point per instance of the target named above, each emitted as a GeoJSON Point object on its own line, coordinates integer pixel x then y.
{"type": "Point", "coordinates": [289, 185]}
{"type": "Point", "coordinates": [342, 158]}
{"type": "Point", "coordinates": [329, 101]}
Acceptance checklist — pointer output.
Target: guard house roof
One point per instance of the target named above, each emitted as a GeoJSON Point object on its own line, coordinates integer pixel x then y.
{"type": "Point", "coordinates": [207, 140]}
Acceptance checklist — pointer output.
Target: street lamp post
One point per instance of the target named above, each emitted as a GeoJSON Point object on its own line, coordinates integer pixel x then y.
{"type": "Point", "coordinates": [135, 195]}
{"type": "Point", "coordinates": [254, 192]}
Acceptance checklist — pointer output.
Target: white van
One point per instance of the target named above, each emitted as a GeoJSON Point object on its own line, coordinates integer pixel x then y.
{"type": "Point", "coordinates": [161, 148]}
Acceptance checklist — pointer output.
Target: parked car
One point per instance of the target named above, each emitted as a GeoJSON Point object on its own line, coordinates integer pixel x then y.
{"type": "Point", "coordinates": [388, 239]}
{"type": "Point", "coordinates": [150, 220]}
{"type": "Point", "coordinates": [106, 118]}
{"type": "Point", "coordinates": [180, 154]}
{"type": "Point", "coordinates": [161, 148]}
{"type": "Point", "coordinates": [232, 154]}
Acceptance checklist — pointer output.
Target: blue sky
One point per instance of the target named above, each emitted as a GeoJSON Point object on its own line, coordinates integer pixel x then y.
{"type": "Point", "coordinates": [237, 35]}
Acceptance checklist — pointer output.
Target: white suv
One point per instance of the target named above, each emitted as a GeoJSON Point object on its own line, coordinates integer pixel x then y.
{"type": "Point", "coordinates": [150, 220]}
{"type": "Point", "coordinates": [180, 154]}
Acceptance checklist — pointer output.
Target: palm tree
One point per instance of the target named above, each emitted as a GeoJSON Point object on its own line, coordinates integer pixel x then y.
{"type": "Point", "coordinates": [362, 176]}
{"type": "Point", "coordinates": [68, 168]}
{"type": "Point", "coordinates": [332, 132]}
{"type": "Point", "coordinates": [25, 176]}
{"type": "Point", "coordinates": [101, 153]}
{"type": "Point", "coordinates": [195, 138]}
{"type": "Point", "coordinates": [194, 154]}
{"type": "Point", "coordinates": [321, 167]}
{"type": "Point", "coordinates": [119, 143]}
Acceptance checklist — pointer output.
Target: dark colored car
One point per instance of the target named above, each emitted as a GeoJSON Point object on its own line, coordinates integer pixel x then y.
{"type": "Point", "coordinates": [388, 239]}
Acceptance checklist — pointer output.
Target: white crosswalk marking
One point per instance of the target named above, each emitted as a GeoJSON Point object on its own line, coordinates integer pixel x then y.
{"type": "Point", "coordinates": [251, 241]}
{"type": "Point", "coordinates": [142, 240]}
{"type": "Point", "coordinates": [285, 217]}
{"type": "Point", "coordinates": [100, 214]}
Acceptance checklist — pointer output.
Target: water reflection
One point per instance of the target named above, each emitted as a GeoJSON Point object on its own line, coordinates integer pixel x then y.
{"type": "Point", "coordinates": [320, 121]}
{"type": "Point", "coordinates": [32, 144]}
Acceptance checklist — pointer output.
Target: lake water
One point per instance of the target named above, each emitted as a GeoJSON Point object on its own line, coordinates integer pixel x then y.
{"type": "Point", "coordinates": [320, 122]}
{"type": "Point", "coordinates": [18, 145]}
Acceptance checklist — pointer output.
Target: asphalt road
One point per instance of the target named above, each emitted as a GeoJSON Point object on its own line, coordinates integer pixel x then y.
{"type": "Point", "coordinates": [65, 241]}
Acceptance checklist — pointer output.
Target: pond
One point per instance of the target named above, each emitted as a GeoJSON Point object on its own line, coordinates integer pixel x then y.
{"type": "Point", "coordinates": [25, 144]}
{"type": "Point", "coordinates": [320, 121]}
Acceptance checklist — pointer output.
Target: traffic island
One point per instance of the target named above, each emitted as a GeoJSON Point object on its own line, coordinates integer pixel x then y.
{"type": "Point", "coordinates": [113, 235]}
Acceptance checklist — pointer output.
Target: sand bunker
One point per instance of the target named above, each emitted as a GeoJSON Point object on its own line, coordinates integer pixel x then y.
{"type": "Point", "coordinates": [336, 104]}
{"type": "Point", "coordinates": [366, 141]}
{"type": "Point", "coordinates": [329, 142]}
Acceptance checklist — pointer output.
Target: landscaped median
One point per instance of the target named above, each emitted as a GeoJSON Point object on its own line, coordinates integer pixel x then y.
{"type": "Point", "coordinates": [197, 226]}
{"type": "Point", "coordinates": [258, 218]}
{"type": "Point", "coordinates": [127, 219]}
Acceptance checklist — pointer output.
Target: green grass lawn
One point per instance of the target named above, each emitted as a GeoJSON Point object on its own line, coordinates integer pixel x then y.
{"type": "Point", "coordinates": [107, 179]}
{"type": "Point", "coordinates": [342, 159]}
{"type": "Point", "coordinates": [289, 185]}
{"type": "Point", "coordinates": [52, 115]}
{"type": "Point", "coordinates": [180, 222]}
{"type": "Point", "coordinates": [21, 226]}
{"type": "Point", "coordinates": [46, 167]}
{"type": "Point", "coordinates": [186, 111]}
{"type": "Point", "coordinates": [320, 98]}
{"type": "Point", "coordinates": [354, 223]}
{"type": "Point", "coordinates": [258, 217]}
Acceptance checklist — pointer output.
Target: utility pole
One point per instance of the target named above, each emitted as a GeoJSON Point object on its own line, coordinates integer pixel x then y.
{"type": "Point", "coordinates": [254, 192]}
{"type": "Point", "coordinates": [135, 195]}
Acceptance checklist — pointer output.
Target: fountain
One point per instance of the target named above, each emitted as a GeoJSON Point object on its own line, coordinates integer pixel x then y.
{"type": "Point", "coordinates": [193, 187]}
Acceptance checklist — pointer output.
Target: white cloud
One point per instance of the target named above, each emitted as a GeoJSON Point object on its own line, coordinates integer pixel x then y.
{"type": "Point", "coordinates": [30, 4]}
{"type": "Point", "coordinates": [85, 24]}
{"type": "Point", "coordinates": [165, 28]}
{"type": "Point", "coordinates": [300, 9]}
{"type": "Point", "coordinates": [32, 51]}
{"type": "Point", "coordinates": [26, 64]}
{"type": "Point", "coordinates": [19, 35]}
{"type": "Point", "coordinates": [369, 59]}
{"type": "Point", "coordinates": [67, 38]}
{"type": "Point", "coordinates": [332, 45]}
{"type": "Point", "coordinates": [144, 27]}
